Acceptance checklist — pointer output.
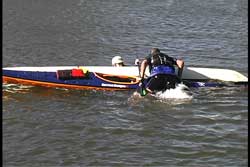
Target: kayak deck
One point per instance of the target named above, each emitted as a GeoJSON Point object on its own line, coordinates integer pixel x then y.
{"type": "Point", "coordinates": [113, 78]}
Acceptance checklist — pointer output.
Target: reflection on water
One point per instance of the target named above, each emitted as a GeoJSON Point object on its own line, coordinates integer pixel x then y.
{"type": "Point", "coordinates": [15, 88]}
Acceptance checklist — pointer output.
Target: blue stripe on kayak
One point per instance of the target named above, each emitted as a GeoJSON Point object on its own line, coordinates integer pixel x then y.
{"type": "Point", "coordinates": [51, 77]}
{"type": "Point", "coordinates": [92, 80]}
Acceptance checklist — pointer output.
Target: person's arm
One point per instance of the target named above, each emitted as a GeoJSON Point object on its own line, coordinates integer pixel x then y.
{"type": "Point", "coordinates": [180, 65]}
{"type": "Point", "coordinates": [144, 65]}
{"type": "Point", "coordinates": [143, 68]}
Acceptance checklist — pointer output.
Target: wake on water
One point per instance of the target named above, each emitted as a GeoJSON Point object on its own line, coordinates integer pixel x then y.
{"type": "Point", "coordinates": [180, 92]}
{"type": "Point", "coordinates": [179, 95]}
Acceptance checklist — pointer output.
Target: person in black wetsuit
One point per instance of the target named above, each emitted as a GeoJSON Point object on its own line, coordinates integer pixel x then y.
{"type": "Point", "coordinates": [162, 71]}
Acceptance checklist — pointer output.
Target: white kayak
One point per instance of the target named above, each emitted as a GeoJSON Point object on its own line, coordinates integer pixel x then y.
{"type": "Point", "coordinates": [189, 73]}
{"type": "Point", "coordinates": [113, 78]}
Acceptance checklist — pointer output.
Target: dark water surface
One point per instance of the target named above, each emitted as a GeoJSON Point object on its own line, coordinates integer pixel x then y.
{"type": "Point", "coordinates": [55, 127]}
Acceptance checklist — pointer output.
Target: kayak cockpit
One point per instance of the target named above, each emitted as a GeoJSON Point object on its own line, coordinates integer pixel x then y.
{"type": "Point", "coordinates": [121, 79]}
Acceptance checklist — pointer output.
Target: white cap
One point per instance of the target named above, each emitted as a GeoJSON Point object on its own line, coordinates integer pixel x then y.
{"type": "Point", "coordinates": [116, 60]}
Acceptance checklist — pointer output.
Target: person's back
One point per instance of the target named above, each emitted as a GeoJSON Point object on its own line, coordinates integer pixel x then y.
{"type": "Point", "coordinates": [160, 63]}
{"type": "Point", "coordinates": [162, 71]}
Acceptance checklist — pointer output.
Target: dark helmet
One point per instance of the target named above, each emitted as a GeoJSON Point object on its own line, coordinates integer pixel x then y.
{"type": "Point", "coordinates": [155, 51]}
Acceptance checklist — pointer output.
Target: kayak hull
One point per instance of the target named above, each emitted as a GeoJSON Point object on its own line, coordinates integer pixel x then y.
{"type": "Point", "coordinates": [97, 77]}
{"type": "Point", "coordinates": [50, 79]}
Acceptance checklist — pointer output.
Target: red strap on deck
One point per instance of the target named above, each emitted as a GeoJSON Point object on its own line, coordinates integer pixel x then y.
{"type": "Point", "coordinates": [77, 73]}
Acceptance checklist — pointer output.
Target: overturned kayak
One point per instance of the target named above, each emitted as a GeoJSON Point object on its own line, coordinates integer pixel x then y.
{"type": "Point", "coordinates": [113, 78]}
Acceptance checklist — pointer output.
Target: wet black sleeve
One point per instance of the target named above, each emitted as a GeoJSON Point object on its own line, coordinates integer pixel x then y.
{"type": "Point", "coordinates": [171, 59]}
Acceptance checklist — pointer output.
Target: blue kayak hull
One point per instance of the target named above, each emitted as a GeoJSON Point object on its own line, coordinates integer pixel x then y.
{"type": "Point", "coordinates": [91, 80]}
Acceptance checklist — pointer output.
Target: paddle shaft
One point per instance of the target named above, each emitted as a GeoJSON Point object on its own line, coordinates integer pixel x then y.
{"type": "Point", "coordinates": [142, 89]}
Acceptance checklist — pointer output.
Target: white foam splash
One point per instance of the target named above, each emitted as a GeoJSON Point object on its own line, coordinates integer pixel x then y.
{"type": "Point", "coordinates": [180, 92]}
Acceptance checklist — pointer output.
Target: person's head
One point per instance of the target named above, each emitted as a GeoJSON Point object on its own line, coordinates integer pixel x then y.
{"type": "Point", "coordinates": [117, 61]}
{"type": "Point", "coordinates": [155, 51]}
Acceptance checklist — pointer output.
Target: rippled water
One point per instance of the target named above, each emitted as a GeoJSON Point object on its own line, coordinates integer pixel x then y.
{"type": "Point", "coordinates": [57, 127]}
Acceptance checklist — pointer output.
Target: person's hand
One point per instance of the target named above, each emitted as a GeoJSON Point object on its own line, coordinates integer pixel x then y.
{"type": "Point", "coordinates": [140, 79]}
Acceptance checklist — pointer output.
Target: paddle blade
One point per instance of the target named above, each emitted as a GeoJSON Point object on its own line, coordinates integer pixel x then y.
{"type": "Point", "coordinates": [142, 90]}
